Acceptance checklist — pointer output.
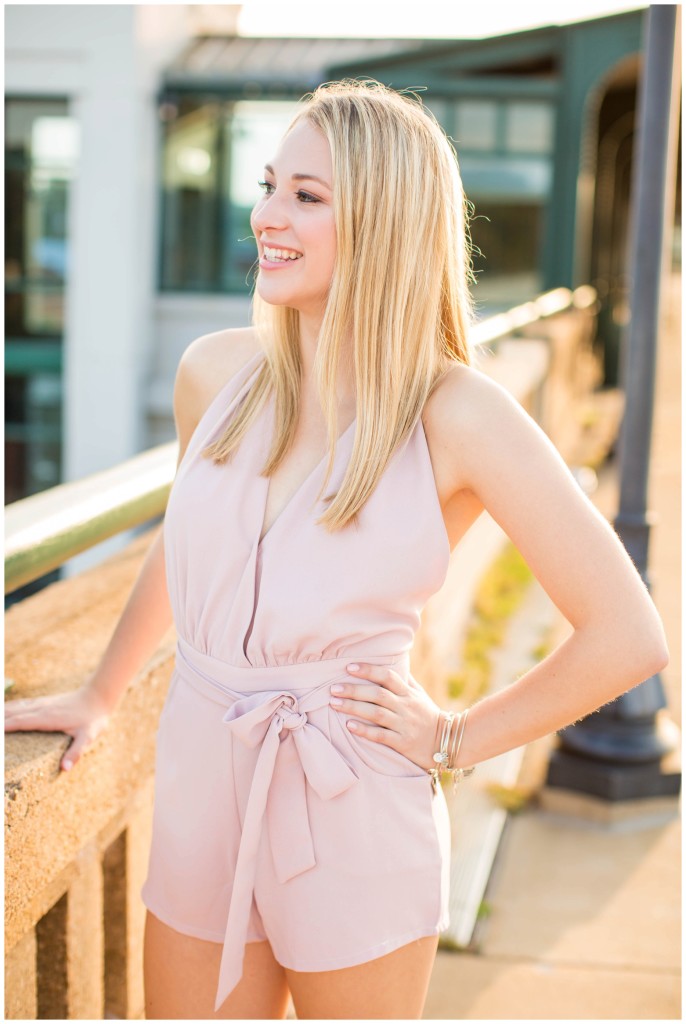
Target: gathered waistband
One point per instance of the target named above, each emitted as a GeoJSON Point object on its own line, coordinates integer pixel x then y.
{"type": "Point", "coordinates": [224, 682]}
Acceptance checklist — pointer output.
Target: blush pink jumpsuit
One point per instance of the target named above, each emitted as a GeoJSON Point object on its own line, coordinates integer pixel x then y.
{"type": "Point", "coordinates": [271, 819]}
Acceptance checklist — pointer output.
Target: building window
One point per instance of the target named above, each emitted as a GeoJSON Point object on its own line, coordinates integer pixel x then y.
{"type": "Point", "coordinates": [507, 266]}
{"type": "Point", "coordinates": [214, 153]}
{"type": "Point", "coordinates": [476, 125]}
{"type": "Point", "coordinates": [504, 148]}
{"type": "Point", "coordinates": [41, 152]}
{"type": "Point", "coordinates": [529, 127]}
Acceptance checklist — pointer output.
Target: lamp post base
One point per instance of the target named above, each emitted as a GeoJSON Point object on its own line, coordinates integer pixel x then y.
{"type": "Point", "coordinates": [612, 780]}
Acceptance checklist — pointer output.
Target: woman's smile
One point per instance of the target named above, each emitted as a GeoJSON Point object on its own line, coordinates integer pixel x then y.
{"type": "Point", "coordinates": [273, 258]}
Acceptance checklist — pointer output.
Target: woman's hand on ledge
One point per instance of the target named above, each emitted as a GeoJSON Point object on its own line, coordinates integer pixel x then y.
{"type": "Point", "coordinates": [80, 714]}
{"type": "Point", "coordinates": [396, 713]}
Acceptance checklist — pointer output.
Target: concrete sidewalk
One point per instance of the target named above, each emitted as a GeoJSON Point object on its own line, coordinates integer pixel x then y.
{"type": "Point", "coordinates": [584, 919]}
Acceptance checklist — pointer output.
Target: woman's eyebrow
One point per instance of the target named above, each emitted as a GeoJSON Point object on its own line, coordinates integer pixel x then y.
{"type": "Point", "coordinates": [302, 177]}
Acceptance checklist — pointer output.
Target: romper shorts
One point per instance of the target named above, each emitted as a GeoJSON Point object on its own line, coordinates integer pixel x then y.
{"type": "Point", "coordinates": [272, 821]}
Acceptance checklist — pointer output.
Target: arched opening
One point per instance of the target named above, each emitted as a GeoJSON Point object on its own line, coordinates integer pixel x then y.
{"type": "Point", "coordinates": [614, 144]}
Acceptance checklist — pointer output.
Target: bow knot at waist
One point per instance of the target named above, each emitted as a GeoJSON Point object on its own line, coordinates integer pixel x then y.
{"type": "Point", "coordinates": [291, 718]}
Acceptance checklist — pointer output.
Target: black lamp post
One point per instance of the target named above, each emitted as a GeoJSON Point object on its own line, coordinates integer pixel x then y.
{"type": "Point", "coordinates": [616, 753]}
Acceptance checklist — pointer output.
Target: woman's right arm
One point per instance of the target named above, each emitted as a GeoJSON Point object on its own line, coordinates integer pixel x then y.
{"type": "Point", "coordinates": [147, 615]}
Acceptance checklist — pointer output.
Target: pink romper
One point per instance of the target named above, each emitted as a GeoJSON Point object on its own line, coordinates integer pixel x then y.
{"type": "Point", "coordinates": [271, 819]}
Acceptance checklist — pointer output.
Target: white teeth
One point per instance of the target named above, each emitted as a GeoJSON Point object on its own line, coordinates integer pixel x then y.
{"type": "Point", "coordinates": [281, 254]}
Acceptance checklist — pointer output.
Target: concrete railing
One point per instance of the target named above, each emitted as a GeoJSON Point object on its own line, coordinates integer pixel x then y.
{"type": "Point", "coordinates": [76, 843]}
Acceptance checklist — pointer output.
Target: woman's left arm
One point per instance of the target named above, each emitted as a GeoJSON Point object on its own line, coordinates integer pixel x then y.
{"type": "Point", "coordinates": [499, 454]}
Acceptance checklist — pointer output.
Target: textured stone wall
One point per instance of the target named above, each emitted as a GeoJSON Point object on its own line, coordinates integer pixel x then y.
{"type": "Point", "coordinates": [76, 842]}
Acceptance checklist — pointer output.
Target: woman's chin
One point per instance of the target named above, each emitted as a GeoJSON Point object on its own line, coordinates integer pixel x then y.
{"type": "Point", "coordinates": [275, 296]}
{"type": "Point", "coordinates": [280, 297]}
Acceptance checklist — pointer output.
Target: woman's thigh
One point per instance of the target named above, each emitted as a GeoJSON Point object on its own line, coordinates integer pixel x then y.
{"type": "Point", "coordinates": [391, 987]}
{"type": "Point", "coordinates": [180, 977]}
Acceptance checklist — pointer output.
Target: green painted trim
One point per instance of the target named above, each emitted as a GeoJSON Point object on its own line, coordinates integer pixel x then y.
{"type": "Point", "coordinates": [464, 54]}
{"type": "Point", "coordinates": [24, 357]}
{"type": "Point", "coordinates": [589, 53]}
{"type": "Point", "coordinates": [491, 87]}
{"type": "Point", "coordinates": [433, 79]}
{"type": "Point", "coordinates": [267, 88]}
{"type": "Point", "coordinates": [33, 432]}
{"type": "Point", "coordinates": [35, 286]}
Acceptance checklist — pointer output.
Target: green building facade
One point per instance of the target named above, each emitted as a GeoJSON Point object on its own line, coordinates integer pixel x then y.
{"type": "Point", "coordinates": [542, 122]}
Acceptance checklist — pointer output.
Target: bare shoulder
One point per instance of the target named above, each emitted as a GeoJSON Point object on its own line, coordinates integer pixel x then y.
{"type": "Point", "coordinates": [212, 359]}
{"type": "Point", "coordinates": [205, 367]}
{"type": "Point", "coordinates": [467, 395]}
{"type": "Point", "coordinates": [467, 418]}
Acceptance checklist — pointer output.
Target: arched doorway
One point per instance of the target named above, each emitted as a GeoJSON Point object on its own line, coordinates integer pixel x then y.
{"type": "Point", "coordinates": [614, 143]}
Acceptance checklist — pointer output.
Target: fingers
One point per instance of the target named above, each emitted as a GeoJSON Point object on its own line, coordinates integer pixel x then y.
{"type": "Point", "coordinates": [370, 701]}
{"type": "Point", "coordinates": [74, 751]}
{"type": "Point", "coordinates": [363, 691]}
{"type": "Point", "coordinates": [376, 733]}
{"type": "Point", "coordinates": [372, 712]}
{"type": "Point", "coordinates": [378, 674]}
{"type": "Point", "coordinates": [26, 715]}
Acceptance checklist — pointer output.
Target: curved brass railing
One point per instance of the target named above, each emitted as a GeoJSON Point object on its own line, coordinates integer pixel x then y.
{"type": "Point", "coordinates": [45, 530]}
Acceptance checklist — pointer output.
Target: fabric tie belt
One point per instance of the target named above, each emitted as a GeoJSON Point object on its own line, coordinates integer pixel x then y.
{"type": "Point", "coordinates": [261, 705]}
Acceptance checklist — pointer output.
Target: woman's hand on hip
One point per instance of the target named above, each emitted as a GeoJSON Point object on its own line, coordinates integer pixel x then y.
{"type": "Point", "coordinates": [79, 713]}
{"type": "Point", "coordinates": [394, 712]}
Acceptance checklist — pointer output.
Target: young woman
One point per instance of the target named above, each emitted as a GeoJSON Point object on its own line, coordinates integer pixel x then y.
{"type": "Point", "coordinates": [331, 456]}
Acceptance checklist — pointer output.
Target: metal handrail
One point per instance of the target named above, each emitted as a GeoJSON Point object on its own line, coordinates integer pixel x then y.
{"type": "Point", "coordinates": [45, 530]}
{"type": "Point", "coordinates": [557, 301]}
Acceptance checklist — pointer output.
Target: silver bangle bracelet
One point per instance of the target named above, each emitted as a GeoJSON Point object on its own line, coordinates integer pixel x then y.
{"type": "Point", "coordinates": [444, 759]}
{"type": "Point", "coordinates": [441, 755]}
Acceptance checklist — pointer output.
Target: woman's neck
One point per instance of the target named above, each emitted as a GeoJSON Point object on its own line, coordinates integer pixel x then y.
{"type": "Point", "coordinates": [310, 327]}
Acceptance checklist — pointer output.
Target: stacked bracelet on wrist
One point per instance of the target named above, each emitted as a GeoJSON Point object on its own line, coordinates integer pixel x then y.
{"type": "Point", "coordinates": [449, 748]}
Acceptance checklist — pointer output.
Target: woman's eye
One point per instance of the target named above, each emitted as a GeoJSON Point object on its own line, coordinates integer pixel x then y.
{"type": "Point", "coordinates": [304, 197]}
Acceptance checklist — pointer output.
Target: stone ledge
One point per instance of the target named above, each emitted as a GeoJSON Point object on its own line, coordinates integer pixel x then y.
{"type": "Point", "coordinates": [55, 638]}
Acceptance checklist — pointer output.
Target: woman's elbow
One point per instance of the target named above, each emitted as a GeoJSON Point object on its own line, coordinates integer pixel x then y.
{"type": "Point", "coordinates": [649, 646]}
{"type": "Point", "coordinates": [633, 638]}
{"type": "Point", "coordinates": [659, 653]}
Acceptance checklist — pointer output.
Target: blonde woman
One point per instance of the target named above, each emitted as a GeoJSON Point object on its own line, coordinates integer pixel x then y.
{"type": "Point", "coordinates": [331, 456]}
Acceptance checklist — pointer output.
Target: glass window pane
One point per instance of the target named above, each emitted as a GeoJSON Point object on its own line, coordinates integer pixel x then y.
{"type": "Point", "coordinates": [505, 178]}
{"type": "Point", "coordinates": [476, 124]}
{"type": "Point", "coordinates": [190, 175]}
{"type": "Point", "coordinates": [254, 131]}
{"type": "Point", "coordinates": [529, 127]}
{"type": "Point", "coordinates": [41, 158]}
{"type": "Point", "coordinates": [440, 108]}
{"type": "Point", "coordinates": [33, 449]}
{"type": "Point", "coordinates": [509, 237]}
{"type": "Point", "coordinates": [41, 153]}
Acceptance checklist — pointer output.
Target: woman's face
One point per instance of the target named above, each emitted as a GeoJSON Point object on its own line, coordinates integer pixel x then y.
{"type": "Point", "coordinates": [294, 225]}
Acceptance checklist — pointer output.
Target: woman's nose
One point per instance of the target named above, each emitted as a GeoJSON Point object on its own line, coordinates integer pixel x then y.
{"type": "Point", "coordinates": [269, 213]}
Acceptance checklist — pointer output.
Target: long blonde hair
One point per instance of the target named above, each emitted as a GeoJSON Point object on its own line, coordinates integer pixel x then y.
{"type": "Point", "coordinates": [400, 287]}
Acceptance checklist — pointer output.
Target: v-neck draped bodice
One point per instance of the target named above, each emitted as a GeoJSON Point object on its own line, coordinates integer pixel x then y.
{"type": "Point", "coordinates": [316, 470]}
{"type": "Point", "coordinates": [301, 593]}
